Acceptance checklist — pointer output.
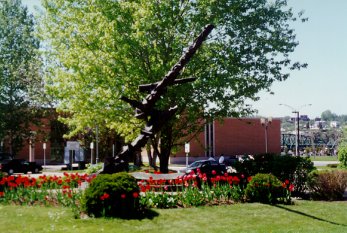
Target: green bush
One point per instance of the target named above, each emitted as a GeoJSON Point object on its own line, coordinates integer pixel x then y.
{"type": "Point", "coordinates": [333, 165]}
{"type": "Point", "coordinates": [293, 168]}
{"type": "Point", "coordinates": [2, 185]}
{"type": "Point", "coordinates": [342, 155]}
{"type": "Point", "coordinates": [93, 168]}
{"type": "Point", "coordinates": [267, 188]}
{"type": "Point", "coordinates": [115, 195]}
{"type": "Point", "coordinates": [328, 185]}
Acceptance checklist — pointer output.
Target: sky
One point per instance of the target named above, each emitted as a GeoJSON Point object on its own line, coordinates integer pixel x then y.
{"type": "Point", "coordinates": [323, 46]}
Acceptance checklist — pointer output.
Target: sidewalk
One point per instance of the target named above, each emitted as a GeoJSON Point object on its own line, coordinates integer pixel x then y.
{"type": "Point", "coordinates": [147, 176]}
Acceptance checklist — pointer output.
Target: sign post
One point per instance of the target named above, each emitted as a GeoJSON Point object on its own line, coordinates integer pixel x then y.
{"type": "Point", "coordinates": [44, 153]}
{"type": "Point", "coordinates": [187, 150]}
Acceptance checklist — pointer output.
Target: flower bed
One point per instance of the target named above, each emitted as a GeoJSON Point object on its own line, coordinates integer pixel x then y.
{"type": "Point", "coordinates": [44, 190]}
{"type": "Point", "coordinates": [193, 190]}
{"type": "Point", "coordinates": [185, 191]}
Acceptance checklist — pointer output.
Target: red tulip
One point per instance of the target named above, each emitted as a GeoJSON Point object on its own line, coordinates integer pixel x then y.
{"type": "Point", "coordinates": [135, 194]}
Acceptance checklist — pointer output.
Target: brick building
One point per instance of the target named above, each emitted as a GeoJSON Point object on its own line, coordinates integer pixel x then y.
{"type": "Point", "coordinates": [33, 148]}
{"type": "Point", "coordinates": [49, 132]}
{"type": "Point", "coordinates": [234, 136]}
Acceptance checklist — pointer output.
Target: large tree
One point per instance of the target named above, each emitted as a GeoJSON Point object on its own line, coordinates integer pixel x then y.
{"type": "Point", "coordinates": [328, 116]}
{"type": "Point", "coordinates": [103, 49]}
{"type": "Point", "coordinates": [19, 73]}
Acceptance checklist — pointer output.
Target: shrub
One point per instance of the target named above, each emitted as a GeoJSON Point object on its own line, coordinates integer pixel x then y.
{"type": "Point", "coordinates": [262, 163]}
{"type": "Point", "coordinates": [2, 185]}
{"type": "Point", "coordinates": [267, 188]}
{"type": "Point", "coordinates": [328, 185]}
{"type": "Point", "coordinates": [304, 166]}
{"type": "Point", "coordinates": [93, 168]}
{"type": "Point", "coordinates": [333, 165]}
{"type": "Point", "coordinates": [292, 168]}
{"type": "Point", "coordinates": [115, 195]}
{"type": "Point", "coordinates": [342, 155]}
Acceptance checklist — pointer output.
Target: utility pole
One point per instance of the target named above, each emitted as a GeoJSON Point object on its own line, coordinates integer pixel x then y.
{"type": "Point", "coordinates": [297, 121]}
{"type": "Point", "coordinates": [297, 132]}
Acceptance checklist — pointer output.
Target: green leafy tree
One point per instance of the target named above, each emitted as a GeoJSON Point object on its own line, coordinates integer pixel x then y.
{"type": "Point", "coordinates": [103, 49]}
{"type": "Point", "coordinates": [328, 116]}
{"type": "Point", "coordinates": [342, 149]}
{"type": "Point", "coordinates": [19, 73]}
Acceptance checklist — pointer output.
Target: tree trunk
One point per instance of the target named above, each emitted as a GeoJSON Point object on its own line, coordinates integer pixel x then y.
{"type": "Point", "coordinates": [165, 148]}
{"type": "Point", "coordinates": [152, 157]}
{"type": "Point", "coordinates": [164, 162]}
{"type": "Point", "coordinates": [149, 154]}
{"type": "Point", "coordinates": [138, 159]}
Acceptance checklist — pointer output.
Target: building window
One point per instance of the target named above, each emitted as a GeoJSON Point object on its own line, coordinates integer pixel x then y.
{"type": "Point", "coordinates": [209, 139]}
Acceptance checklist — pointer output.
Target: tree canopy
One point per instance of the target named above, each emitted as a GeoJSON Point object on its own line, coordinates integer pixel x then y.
{"type": "Point", "coordinates": [102, 49]}
{"type": "Point", "coordinates": [20, 77]}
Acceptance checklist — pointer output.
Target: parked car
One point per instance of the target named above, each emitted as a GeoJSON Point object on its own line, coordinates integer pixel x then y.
{"type": "Point", "coordinates": [231, 160]}
{"type": "Point", "coordinates": [207, 166]}
{"type": "Point", "coordinates": [11, 166]}
{"type": "Point", "coordinates": [5, 156]}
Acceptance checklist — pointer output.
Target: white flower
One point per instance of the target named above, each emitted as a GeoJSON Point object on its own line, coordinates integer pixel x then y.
{"type": "Point", "coordinates": [150, 201]}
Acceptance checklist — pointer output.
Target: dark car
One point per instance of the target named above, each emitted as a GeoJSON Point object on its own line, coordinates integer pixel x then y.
{"type": "Point", "coordinates": [19, 166]}
{"type": "Point", "coordinates": [207, 166]}
{"type": "Point", "coordinates": [5, 156]}
{"type": "Point", "coordinates": [231, 160]}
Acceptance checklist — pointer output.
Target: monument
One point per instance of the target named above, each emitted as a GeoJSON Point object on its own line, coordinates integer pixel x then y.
{"type": "Point", "coordinates": [145, 110]}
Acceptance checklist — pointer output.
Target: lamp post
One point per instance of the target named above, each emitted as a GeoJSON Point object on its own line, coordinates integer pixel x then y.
{"type": "Point", "coordinates": [96, 143]}
{"type": "Point", "coordinates": [187, 150]}
{"type": "Point", "coordinates": [44, 153]}
{"type": "Point", "coordinates": [297, 119]}
{"type": "Point", "coordinates": [266, 122]}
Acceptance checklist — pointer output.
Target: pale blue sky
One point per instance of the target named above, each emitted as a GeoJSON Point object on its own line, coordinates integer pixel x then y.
{"type": "Point", "coordinates": [323, 45]}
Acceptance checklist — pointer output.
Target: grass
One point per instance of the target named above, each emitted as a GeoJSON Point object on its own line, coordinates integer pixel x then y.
{"type": "Point", "coordinates": [304, 216]}
{"type": "Point", "coordinates": [324, 158]}
{"type": "Point", "coordinates": [326, 168]}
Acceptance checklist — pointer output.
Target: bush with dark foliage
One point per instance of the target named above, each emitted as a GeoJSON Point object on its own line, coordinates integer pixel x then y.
{"type": "Point", "coordinates": [267, 188]}
{"type": "Point", "coordinates": [293, 168]}
{"type": "Point", "coordinates": [328, 185]}
{"type": "Point", "coordinates": [112, 195]}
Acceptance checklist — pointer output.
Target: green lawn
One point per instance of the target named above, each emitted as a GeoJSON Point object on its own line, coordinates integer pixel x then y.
{"type": "Point", "coordinates": [305, 216]}
{"type": "Point", "coordinates": [324, 158]}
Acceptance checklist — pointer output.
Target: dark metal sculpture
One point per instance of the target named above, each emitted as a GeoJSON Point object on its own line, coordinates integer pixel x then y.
{"type": "Point", "coordinates": [155, 119]}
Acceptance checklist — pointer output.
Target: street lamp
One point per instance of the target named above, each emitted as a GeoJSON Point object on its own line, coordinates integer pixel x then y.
{"type": "Point", "coordinates": [44, 146]}
{"type": "Point", "coordinates": [265, 122]}
{"type": "Point", "coordinates": [187, 150]}
{"type": "Point", "coordinates": [296, 111]}
{"type": "Point", "coordinates": [97, 144]}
